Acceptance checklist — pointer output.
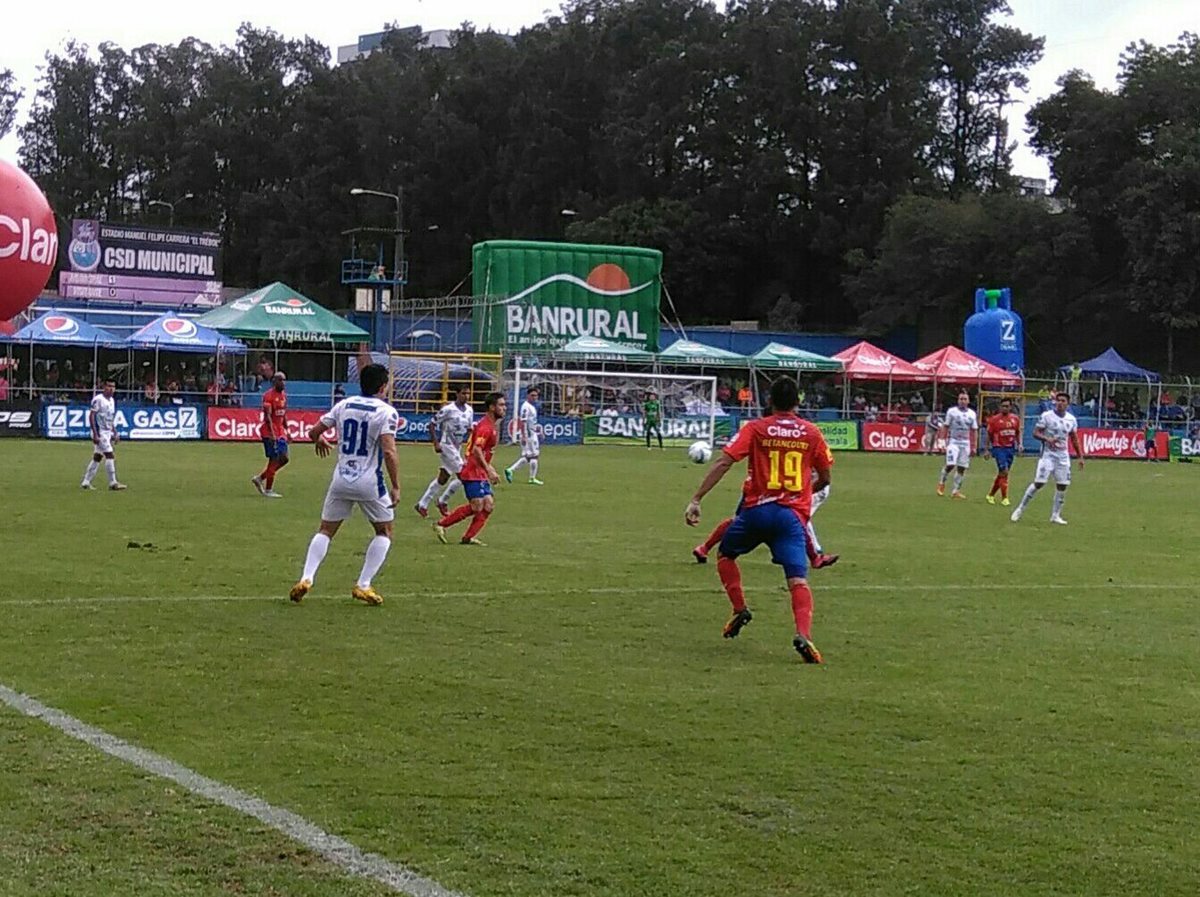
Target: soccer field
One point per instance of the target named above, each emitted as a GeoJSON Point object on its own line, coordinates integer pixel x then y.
{"type": "Point", "coordinates": [1004, 707]}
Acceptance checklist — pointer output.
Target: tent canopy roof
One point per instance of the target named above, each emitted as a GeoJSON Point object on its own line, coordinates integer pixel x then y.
{"type": "Point", "coordinates": [175, 334]}
{"type": "Point", "coordinates": [1111, 364]}
{"type": "Point", "coordinates": [687, 352]}
{"type": "Point", "coordinates": [951, 364]}
{"type": "Point", "coordinates": [864, 361]}
{"type": "Point", "coordinates": [594, 348]}
{"type": "Point", "coordinates": [56, 328]}
{"type": "Point", "coordinates": [777, 355]}
{"type": "Point", "coordinates": [277, 312]}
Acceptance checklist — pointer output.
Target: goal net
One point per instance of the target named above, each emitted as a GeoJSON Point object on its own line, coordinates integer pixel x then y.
{"type": "Point", "coordinates": [612, 405]}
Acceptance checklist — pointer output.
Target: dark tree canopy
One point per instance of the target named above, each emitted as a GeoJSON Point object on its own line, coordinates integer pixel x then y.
{"type": "Point", "coordinates": [810, 163]}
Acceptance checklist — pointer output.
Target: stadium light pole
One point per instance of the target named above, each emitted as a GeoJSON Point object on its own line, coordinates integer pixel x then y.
{"type": "Point", "coordinates": [170, 205]}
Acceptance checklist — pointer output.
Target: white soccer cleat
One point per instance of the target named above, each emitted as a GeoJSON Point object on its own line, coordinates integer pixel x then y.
{"type": "Point", "coordinates": [118, 487]}
{"type": "Point", "coordinates": [87, 486]}
{"type": "Point", "coordinates": [259, 485]}
{"type": "Point", "coordinates": [1058, 520]}
{"type": "Point", "coordinates": [271, 493]}
{"type": "Point", "coordinates": [1015, 515]}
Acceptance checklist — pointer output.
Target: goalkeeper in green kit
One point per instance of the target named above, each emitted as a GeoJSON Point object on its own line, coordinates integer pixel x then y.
{"type": "Point", "coordinates": [652, 418]}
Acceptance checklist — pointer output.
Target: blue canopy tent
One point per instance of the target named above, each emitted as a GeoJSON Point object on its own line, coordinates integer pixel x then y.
{"type": "Point", "coordinates": [171, 333]}
{"type": "Point", "coordinates": [56, 328]}
{"type": "Point", "coordinates": [1110, 368]}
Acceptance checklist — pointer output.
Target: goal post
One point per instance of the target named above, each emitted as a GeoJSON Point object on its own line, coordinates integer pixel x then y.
{"type": "Point", "coordinates": [609, 404]}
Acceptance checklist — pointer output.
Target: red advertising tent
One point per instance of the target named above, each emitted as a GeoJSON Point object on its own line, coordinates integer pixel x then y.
{"type": "Point", "coordinates": [866, 362]}
{"type": "Point", "coordinates": [951, 364]}
{"type": "Point", "coordinates": [7, 328]}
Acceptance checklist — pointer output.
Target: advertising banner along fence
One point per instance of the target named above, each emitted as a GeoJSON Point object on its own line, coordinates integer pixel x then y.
{"type": "Point", "coordinates": [620, 429]}
{"type": "Point", "coordinates": [539, 296]}
{"type": "Point", "coordinates": [1128, 444]}
{"type": "Point", "coordinates": [241, 424]}
{"type": "Point", "coordinates": [19, 418]}
{"type": "Point", "coordinates": [150, 422]}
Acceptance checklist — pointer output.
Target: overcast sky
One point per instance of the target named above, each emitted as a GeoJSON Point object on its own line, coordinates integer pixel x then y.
{"type": "Point", "coordinates": [1084, 34]}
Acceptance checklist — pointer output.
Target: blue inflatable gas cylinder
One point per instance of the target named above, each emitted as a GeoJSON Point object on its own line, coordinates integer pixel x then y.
{"type": "Point", "coordinates": [995, 332]}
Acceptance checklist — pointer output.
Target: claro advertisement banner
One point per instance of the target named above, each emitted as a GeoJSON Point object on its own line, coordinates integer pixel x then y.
{"type": "Point", "coordinates": [881, 437]}
{"type": "Point", "coordinates": [241, 424]}
{"type": "Point", "coordinates": [149, 422]}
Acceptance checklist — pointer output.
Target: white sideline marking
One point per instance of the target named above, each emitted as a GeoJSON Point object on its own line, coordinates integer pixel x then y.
{"type": "Point", "coordinates": [636, 590]}
{"type": "Point", "coordinates": [334, 849]}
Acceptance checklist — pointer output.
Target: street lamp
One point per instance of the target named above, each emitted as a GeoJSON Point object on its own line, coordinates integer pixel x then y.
{"type": "Point", "coordinates": [568, 213]}
{"type": "Point", "coordinates": [398, 259]}
{"type": "Point", "coordinates": [170, 205]}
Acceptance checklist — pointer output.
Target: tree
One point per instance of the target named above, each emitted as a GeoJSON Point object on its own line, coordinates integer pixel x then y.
{"type": "Point", "coordinates": [10, 95]}
{"type": "Point", "coordinates": [978, 63]}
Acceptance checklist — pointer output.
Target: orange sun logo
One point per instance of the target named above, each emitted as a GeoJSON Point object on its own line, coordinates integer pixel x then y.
{"type": "Point", "coordinates": [608, 277]}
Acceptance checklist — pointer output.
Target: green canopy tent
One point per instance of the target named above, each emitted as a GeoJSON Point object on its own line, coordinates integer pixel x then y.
{"type": "Point", "coordinates": [778, 357]}
{"type": "Point", "coordinates": [686, 352]}
{"type": "Point", "coordinates": [593, 348]}
{"type": "Point", "coordinates": [278, 313]}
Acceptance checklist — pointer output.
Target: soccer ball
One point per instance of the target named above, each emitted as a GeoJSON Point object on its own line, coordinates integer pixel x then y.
{"type": "Point", "coordinates": [700, 452]}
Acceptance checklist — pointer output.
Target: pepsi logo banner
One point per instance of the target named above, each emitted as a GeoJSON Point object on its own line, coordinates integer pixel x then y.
{"type": "Point", "coordinates": [241, 424]}
{"type": "Point", "coordinates": [139, 422]}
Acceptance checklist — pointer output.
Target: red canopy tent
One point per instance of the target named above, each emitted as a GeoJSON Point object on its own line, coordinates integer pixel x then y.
{"type": "Point", "coordinates": [866, 362]}
{"type": "Point", "coordinates": [863, 361]}
{"type": "Point", "coordinates": [951, 364]}
{"type": "Point", "coordinates": [7, 328]}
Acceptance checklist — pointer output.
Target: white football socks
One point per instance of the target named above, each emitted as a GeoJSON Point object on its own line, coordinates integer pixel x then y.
{"type": "Point", "coordinates": [516, 465]}
{"type": "Point", "coordinates": [316, 553]}
{"type": "Point", "coordinates": [1030, 492]}
{"type": "Point", "coordinates": [958, 478]}
{"type": "Point", "coordinates": [812, 538]}
{"type": "Point", "coordinates": [533, 466]}
{"type": "Point", "coordinates": [942, 478]}
{"type": "Point", "coordinates": [1060, 498]}
{"type": "Point", "coordinates": [377, 552]}
{"type": "Point", "coordinates": [451, 487]}
{"type": "Point", "coordinates": [427, 497]}
{"type": "Point", "coordinates": [92, 467]}
{"type": "Point", "coordinates": [110, 467]}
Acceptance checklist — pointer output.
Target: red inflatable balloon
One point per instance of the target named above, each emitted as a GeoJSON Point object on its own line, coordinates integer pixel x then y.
{"type": "Point", "coordinates": [28, 240]}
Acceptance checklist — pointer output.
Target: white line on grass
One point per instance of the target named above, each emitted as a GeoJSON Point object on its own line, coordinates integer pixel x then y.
{"type": "Point", "coordinates": [938, 588]}
{"type": "Point", "coordinates": [336, 850]}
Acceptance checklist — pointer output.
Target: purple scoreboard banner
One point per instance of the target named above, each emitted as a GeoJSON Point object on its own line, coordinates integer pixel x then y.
{"type": "Point", "coordinates": [133, 263]}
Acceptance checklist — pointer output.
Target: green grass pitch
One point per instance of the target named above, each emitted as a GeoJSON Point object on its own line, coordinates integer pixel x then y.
{"type": "Point", "coordinates": [1004, 709]}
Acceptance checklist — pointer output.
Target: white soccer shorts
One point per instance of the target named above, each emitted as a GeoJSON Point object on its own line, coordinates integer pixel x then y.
{"type": "Point", "coordinates": [338, 507]}
{"type": "Point", "coordinates": [452, 459]}
{"type": "Point", "coordinates": [1051, 466]}
{"type": "Point", "coordinates": [103, 445]}
{"type": "Point", "coordinates": [531, 447]}
{"type": "Point", "coordinates": [958, 454]}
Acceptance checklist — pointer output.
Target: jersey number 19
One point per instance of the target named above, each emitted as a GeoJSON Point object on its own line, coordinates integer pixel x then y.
{"type": "Point", "coordinates": [791, 464]}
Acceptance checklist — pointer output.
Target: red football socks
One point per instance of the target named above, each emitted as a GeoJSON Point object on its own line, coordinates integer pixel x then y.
{"type": "Point", "coordinates": [462, 512]}
{"type": "Point", "coordinates": [268, 474]}
{"type": "Point", "coordinates": [731, 579]}
{"type": "Point", "coordinates": [802, 608]}
{"type": "Point", "coordinates": [995, 485]}
{"type": "Point", "coordinates": [717, 534]}
{"type": "Point", "coordinates": [477, 524]}
{"type": "Point", "coordinates": [1004, 485]}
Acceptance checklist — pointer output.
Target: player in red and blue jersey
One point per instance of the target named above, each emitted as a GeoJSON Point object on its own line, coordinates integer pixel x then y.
{"type": "Point", "coordinates": [788, 461]}
{"type": "Point", "coordinates": [273, 431]}
{"type": "Point", "coordinates": [478, 476]}
{"type": "Point", "coordinates": [1004, 440]}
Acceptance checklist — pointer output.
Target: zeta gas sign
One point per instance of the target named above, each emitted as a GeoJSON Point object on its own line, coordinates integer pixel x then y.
{"type": "Point", "coordinates": [540, 296]}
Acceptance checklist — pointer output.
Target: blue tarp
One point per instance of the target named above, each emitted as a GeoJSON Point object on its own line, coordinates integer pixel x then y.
{"type": "Point", "coordinates": [171, 333]}
{"type": "Point", "coordinates": [1109, 363]}
{"type": "Point", "coordinates": [55, 328]}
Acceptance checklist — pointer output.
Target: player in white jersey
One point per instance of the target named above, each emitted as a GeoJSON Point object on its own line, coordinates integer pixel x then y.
{"type": "Point", "coordinates": [366, 431]}
{"type": "Point", "coordinates": [527, 435]}
{"type": "Point", "coordinates": [448, 431]}
{"type": "Point", "coordinates": [958, 425]}
{"type": "Point", "coordinates": [102, 417]}
{"type": "Point", "coordinates": [1055, 430]}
